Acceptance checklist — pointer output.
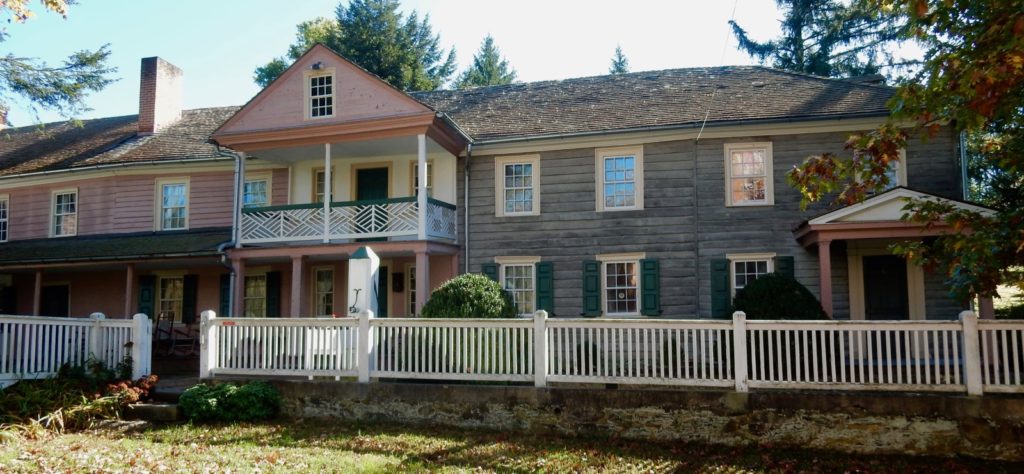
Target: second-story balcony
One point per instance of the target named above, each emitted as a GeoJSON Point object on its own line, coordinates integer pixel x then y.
{"type": "Point", "coordinates": [393, 219]}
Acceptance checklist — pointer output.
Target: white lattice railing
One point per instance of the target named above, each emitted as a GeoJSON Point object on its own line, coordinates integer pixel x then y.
{"type": "Point", "coordinates": [346, 220]}
{"type": "Point", "coordinates": [35, 347]}
{"type": "Point", "coordinates": [966, 355]}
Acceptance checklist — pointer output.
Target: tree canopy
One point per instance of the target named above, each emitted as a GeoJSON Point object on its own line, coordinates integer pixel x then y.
{"type": "Point", "coordinates": [488, 69]}
{"type": "Point", "coordinates": [972, 78]}
{"type": "Point", "coordinates": [620, 64]}
{"type": "Point", "coordinates": [63, 88]}
{"type": "Point", "coordinates": [827, 38]}
{"type": "Point", "coordinates": [403, 51]}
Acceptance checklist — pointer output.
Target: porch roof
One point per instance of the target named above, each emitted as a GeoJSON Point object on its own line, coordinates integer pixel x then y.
{"type": "Point", "coordinates": [878, 217]}
{"type": "Point", "coordinates": [114, 247]}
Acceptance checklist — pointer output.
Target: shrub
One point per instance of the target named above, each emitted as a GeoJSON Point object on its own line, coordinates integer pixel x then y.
{"type": "Point", "coordinates": [1010, 312]}
{"type": "Point", "coordinates": [775, 296]}
{"type": "Point", "coordinates": [470, 296]}
{"type": "Point", "coordinates": [230, 402]}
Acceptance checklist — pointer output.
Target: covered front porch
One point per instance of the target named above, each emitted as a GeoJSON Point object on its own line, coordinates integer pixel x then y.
{"type": "Point", "coordinates": [859, 276]}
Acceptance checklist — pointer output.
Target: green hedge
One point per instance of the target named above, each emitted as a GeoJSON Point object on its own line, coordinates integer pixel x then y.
{"type": "Point", "coordinates": [776, 296]}
{"type": "Point", "coordinates": [470, 296]}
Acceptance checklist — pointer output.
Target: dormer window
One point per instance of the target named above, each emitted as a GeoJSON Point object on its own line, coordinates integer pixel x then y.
{"type": "Point", "coordinates": [321, 94]}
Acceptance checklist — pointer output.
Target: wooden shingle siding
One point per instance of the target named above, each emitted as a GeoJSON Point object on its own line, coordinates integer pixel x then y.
{"type": "Point", "coordinates": [673, 227]}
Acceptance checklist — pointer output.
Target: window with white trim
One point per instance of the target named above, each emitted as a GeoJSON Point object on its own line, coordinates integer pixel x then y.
{"type": "Point", "coordinates": [173, 204]}
{"type": "Point", "coordinates": [65, 213]}
{"type": "Point", "coordinates": [255, 193]}
{"type": "Point", "coordinates": [416, 179]}
{"type": "Point", "coordinates": [517, 185]}
{"type": "Point", "coordinates": [321, 96]}
{"type": "Point", "coordinates": [319, 188]}
{"type": "Point", "coordinates": [4, 204]}
{"type": "Point", "coordinates": [519, 280]}
{"type": "Point", "coordinates": [620, 283]}
{"type": "Point", "coordinates": [255, 296]}
{"type": "Point", "coordinates": [170, 297]}
{"type": "Point", "coordinates": [897, 171]}
{"type": "Point", "coordinates": [620, 178]}
{"type": "Point", "coordinates": [323, 291]}
{"type": "Point", "coordinates": [748, 174]}
{"type": "Point", "coordinates": [745, 268]}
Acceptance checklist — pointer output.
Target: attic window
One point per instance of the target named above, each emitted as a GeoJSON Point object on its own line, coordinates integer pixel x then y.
{"type": "Point", "coordinates": [321, 96]}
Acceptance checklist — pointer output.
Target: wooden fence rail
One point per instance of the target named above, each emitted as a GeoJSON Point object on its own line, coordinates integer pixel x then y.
{"type": "Point", "coordinates": [953, 356]}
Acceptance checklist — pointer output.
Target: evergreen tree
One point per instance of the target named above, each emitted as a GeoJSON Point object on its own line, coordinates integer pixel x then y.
{"type": "Point", "coordinates": [620, 64]}
{"type": "Point", "coordinates": [58, 88]}
{"type": "Point", "coordinates": [375, 35]}
{"type": "Point", "coordinates": [827, 38]}
{"type": "Point", "coordinates": [488, 69]}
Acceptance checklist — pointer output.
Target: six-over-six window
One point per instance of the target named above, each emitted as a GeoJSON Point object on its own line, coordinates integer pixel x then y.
{"type": "Point", "coordinates": [518, 277]}
{"type": "Point", "coordinates": [173, 204]}
{"type": "Point", "coordinates": [620, 178]}
{"type": "Point", "coordinates": [747, 267]}
{"type": "Point", "coordinates": [65, 213]}
{"type": "Point", "coordinates": [517, 185]}
{"type": "Point", "coordinates": [748, 174]}
{"type": "Point", "coordinates": [4, 203]}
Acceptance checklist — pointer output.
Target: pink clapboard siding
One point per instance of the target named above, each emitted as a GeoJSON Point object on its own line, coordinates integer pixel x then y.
{"type": "Point", "coordinates": [127, 203]}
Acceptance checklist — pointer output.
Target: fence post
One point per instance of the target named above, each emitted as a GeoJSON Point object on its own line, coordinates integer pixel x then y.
{"type": "Point", "coordinates": [540, 349]}
{"type": "Point", "coordinates": [96, 337]}
{"type": "Point", "coordinates": [142, 346]}
{"type": "Point", "coordinates": [739, 349]}
{"type": "Point", "coordinates": [365, 345]}
{"type": "Point", "coordinates": [972, 353]}
{"type": "Point", "coordinates": [207, 343]}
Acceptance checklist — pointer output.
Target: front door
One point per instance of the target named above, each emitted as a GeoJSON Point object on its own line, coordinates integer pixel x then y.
{"type": "Point", "coordinates": [372, 185]}
{"type": "Point", "coordinates": [54, 301]}
{"type": "Point", "coordinates": [885, 288]}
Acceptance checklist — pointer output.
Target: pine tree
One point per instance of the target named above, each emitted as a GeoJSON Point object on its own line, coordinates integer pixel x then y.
{"type": "Point", "coordinates": [488, 69]}
{"type": "Point", "coordinates": [401, 50]}
{"type": "Point", "coordinates": [620, 64]}
{"type": "Point", "coordinates": [827, 38]}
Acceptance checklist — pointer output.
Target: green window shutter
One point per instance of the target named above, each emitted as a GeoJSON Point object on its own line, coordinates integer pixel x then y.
{"type": "Point", "coordinates": [490, 270]}
{"type": "Point", "coordinates": [225, 296]}
{"type": "Point", "coordinates": [147, 295]}
{"type": "Point", "coordinates": [189, 298]}
{"type": "Point", "coordinates": [721, 296]}
{"type": "Point", "coordinates": [545, 276]}
{"type": "Point", "coordinates": [591, 288]}
{"type": "Point", "coordinates": [784, 266]}
{"type": "Point", "coordinates": [273, 294]}
{"type": "Point", "coordinates": [650, 287]}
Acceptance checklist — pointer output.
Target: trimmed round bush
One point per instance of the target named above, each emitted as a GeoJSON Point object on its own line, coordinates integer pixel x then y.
{"type": "Point", "coordinates": [470, 296]}
{"type": "Point", "coordinates": [775, 296]}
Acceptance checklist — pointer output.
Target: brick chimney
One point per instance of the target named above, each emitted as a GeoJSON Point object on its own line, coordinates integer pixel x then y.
{"type": "Point", "coordinates": [159, 95]}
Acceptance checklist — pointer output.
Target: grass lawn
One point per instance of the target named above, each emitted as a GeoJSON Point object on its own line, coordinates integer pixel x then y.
{"type": "Point", "coordinates": [337, 447]}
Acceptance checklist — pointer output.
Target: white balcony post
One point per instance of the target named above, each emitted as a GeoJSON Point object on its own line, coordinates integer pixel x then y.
{"type": "Point", "coordinates": [421, 191]}
{"type": "Point", "coordinates": [208, 344]}
{"type": "Point", "coordinates": [365, 346]}
{"type": "Point", "coordinates": [142, 346]}
{"type": "Point", "coordinates": [96, 336]}
{"type": "Point", "coordinates": [972, 353]}
{"type": "Point", "coordinates": [328, 181]}
{"type": "Point", "coordinates": [540, 349]}
{"type": "Point", "coordinates": [739, 347]}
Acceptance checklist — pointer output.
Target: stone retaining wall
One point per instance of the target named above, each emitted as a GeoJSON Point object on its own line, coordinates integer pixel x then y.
{"type": "Point", "coordinates": [989, 427]}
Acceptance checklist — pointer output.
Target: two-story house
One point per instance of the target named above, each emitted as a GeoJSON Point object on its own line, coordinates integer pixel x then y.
{"type": "Point", "coordinates": [646, 194]}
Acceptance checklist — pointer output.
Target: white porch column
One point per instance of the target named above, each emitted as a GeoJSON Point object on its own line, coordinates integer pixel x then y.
{"type": "Point", "coordinates": [422, 279]}
{"type": "Point", "coordinates": [328, 181]}
{"type": "Point", "coordinates": [298, 270]}
{"type": "Point", "coordinates": [129, 290]}
{"type": "Point", "coordinates": [240, 201]}
{"type": "Point", "coordinates": [421, 194]}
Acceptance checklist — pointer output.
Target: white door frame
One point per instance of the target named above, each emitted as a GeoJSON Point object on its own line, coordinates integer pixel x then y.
{"type": "Point", "coordinates": [855, 253]}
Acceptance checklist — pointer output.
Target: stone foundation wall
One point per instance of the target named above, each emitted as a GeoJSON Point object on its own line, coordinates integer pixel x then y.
{"type": "Point", "coordinates": [989, 427]}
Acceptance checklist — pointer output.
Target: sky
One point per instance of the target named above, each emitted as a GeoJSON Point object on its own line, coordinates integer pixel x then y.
{"type": "Point", "coordinates": [218, 43]}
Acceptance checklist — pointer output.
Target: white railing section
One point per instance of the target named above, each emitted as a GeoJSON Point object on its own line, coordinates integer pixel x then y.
{"type": "Point", "coordinates": [909, 355]}
{"type": "Point", "coordinates": [635, 351]}
{"type": "Point", "coordinates": [1002, 355]}
{"type": "Point", "coordinates": [398, 217]}
{"type": "Point", "coordinates": [965, 355]}
{"type": "Point", "coordinates": [469, 349]}
{"type": "Point", "coordinates": [36, 347]}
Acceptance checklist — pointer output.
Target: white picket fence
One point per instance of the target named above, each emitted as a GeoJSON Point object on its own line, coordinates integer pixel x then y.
{"type": "Point", "coordinates": [957, 356]}
{"type": "Point", "coordinates": [36, 347]}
